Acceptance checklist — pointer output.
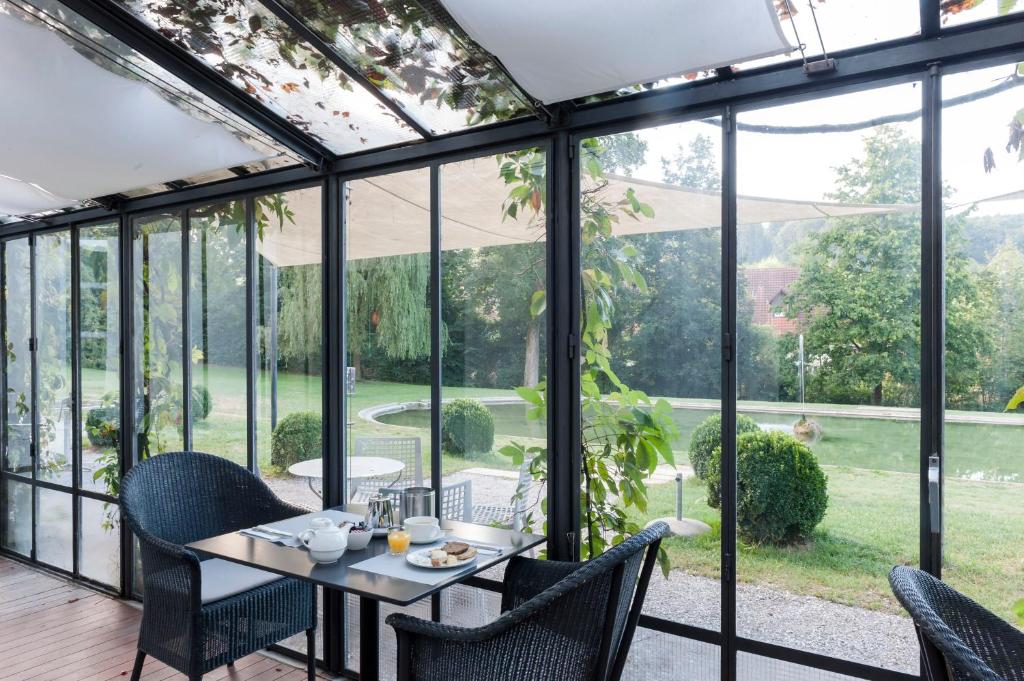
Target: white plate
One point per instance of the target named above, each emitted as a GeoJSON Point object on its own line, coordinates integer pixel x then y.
{"type": "Point", "coordinates": [422, 559]}
{"type": "Point", "coordinates": [439, 535]}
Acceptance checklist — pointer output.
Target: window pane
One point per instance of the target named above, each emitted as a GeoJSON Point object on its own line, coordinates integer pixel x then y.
{"type": "Point", "coordinates": [54, 528]}
{"type": "Point", "coordinates": [652, 307]}
{"type": "Point", "coordinates": [53, 326]}
{"type": "Point", "coordinates": [260, 54]}
{"type": "Point", "coordinates": [419, 58]}
{"type": "Point", "coordinates": [157, 352]}
{"type": "Point", "coordinates": [388, 325]}
{"type": "Point", "coordinates": [217, 326]}
{"type": "Point", "coordinates": [957, 12]}
{"type": "Point", "coordinates": [100, 549]}
{"type": "Point", "coordinates": [17, 317]}
{"type": "Point", "coordinates": [289, 399]}
{"type": "Point", "coordinates": [828, 364]}
{"type": "Point", "coordinates": [493, 290]}
{"type": "Point", "coordinates": [17, 525]}
{"type": "Point", "coordinates": [100, 335]}
{"type": "Point", "coordinates": [983, 524]}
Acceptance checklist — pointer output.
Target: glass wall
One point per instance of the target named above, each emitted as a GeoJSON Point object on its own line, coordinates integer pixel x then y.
{"type": "Point", "coordinates": [289, 342]}
{"type": "Point", "coordinates": [53, 329]}
{"type": "Point", "coordinates": [493, 292]}
{"type": "Point", "coordinates": [828, 371]}
{"type": "Point", "coordinates": [959, 12]}
{"type": "Point", "coordinates": [651, 215]}
{"type": "Point", "coordinates": [17, 318]}
{"type": "Point", "coordinates": [158, 348]}
{"type": "Point", "coordinates": [983, 524]}
{"type": "Point", "coordinates": [217, 327]}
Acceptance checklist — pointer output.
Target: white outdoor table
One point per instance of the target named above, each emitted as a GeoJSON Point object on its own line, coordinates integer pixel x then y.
{"type": "Point", "coordinates": [359, 467]}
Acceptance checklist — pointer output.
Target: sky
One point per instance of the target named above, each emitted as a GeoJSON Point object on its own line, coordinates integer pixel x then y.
{"type": "Point", "coordinates": [802, 166]}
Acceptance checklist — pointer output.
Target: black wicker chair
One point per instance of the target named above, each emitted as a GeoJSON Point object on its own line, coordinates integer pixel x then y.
{"type": "Point", "coordinates": [176, 498]}
{"type": "Point", "coordinates": [559, 621]}
{"type": "Point", "coordinates": [960, 640]}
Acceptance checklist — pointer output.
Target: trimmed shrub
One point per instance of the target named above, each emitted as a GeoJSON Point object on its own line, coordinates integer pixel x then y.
{"type": "Point", "coordinates": [707, 437]}
{"type": "Point", "coordinates": [298, 437]}
{"type": "Point", "coordinates": [102, 425]}
{"type": "Point", "coordinates": [467, 428]}
{"type": "Point", "coordinates": [781, 491]}
{"type": "Point", "coordinates": [202, 402]}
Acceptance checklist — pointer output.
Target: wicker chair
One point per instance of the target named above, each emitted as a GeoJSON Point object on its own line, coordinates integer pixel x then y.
{"type": "Point", "coordinates": [176, 498]}
{"type": "Point", "coordinates": [559, 621]}
{"type": "Point", "coordinates": [960, 640]}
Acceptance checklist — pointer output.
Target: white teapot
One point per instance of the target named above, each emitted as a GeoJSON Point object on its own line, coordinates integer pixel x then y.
{"type": "Point", "coordinates": [325, 540]}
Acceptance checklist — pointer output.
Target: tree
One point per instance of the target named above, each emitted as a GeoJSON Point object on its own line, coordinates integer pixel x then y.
{"type": "Point", "coordinates": [859, 287]}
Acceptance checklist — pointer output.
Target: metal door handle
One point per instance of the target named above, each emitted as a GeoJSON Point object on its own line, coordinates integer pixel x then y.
{"type": "Point", "coordinates": [934, 494]}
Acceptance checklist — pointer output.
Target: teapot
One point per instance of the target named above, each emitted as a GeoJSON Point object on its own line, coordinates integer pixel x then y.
{"type": "Point", "coordinates": [325, 540]}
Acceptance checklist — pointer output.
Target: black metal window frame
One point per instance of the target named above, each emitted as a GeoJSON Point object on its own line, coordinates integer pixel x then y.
{"type": "Point", "coordinates": [925, 59]}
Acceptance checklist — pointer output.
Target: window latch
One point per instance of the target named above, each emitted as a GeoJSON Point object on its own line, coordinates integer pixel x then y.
{"type": "Point", "coordinates": [934, 494]}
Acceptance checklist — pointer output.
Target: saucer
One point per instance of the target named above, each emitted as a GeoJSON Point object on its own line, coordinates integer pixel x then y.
{"type": "Point", "coordinates": [430, 540]}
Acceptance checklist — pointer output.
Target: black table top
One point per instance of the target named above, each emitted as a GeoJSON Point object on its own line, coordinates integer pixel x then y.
{"type": "Point", "coordinates": [292, 562]}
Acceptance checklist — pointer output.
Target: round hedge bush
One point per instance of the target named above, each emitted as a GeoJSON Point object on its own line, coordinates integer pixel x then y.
{"type": "Point", "coordinates": [298, 437]}
{"type": "Point", "coordinates": [781, 491]}
{"type": "Point", "coordinates": [707, 437]}
{"type": "Point", "coordinates": [102, 425]}
{"type": "Point", "coordinates": [202, 402]}
{"type": "Point", "coordinates": [467, 428]}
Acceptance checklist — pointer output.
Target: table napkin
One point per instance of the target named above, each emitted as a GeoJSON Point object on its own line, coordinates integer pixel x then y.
{"type": "Point", "coordinates": [297, 525]}
{"type": "Point", "coordinates": [397, 566]}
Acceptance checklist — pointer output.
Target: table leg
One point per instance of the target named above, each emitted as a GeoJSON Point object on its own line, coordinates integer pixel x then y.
{"type": "Point", "coordinates": [369, 649]}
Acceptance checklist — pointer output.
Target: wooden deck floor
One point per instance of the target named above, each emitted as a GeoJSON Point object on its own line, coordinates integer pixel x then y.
{"type": "Point", "coordinates": [52, 629]}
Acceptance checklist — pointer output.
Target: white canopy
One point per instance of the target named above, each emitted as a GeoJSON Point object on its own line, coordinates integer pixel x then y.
{"type": "Point", "coordinates": [565, 49]}
{"type": "Point", "coordinates": [73, 130]}
{"type": "Point", "coordinates": [389, 215]}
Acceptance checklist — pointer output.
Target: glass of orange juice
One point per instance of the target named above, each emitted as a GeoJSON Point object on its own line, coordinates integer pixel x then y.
{"type": "Point", "coordinates": [398, 540]}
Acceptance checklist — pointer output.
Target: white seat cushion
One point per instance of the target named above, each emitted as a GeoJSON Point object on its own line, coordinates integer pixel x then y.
{"type": "Point", "coordinates": [222, 579]}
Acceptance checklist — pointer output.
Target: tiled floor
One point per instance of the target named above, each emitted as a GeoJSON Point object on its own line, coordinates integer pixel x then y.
{"type": "Point", "coordinates": [52, 629]}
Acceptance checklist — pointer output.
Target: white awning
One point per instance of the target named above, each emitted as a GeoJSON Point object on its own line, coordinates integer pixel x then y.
{"type": "Point", "coordinates": [73, 130]}
{"type": "Point", "coordinates": [389, 214]}
{"type": "Point", "coordinates": [565, 49]}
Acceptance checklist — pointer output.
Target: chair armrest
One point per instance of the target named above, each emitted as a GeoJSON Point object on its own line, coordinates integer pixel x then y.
{"type": "Point", "coordinates": [171, 575]}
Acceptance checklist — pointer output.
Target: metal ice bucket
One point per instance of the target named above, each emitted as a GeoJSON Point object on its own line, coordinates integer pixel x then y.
{"type": "Point", "coordinates": [416, 501]}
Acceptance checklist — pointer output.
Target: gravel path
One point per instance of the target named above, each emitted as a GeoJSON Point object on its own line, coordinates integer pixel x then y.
{"type": "Point", "coordinates": [802, 622]}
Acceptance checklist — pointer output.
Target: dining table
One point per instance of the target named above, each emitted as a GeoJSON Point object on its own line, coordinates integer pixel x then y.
{"type": "Point", "coordinates": [371, 574]}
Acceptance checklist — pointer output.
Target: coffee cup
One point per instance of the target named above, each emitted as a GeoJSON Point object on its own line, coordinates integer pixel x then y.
{"type": "Point", "coordinates": [422, 527]}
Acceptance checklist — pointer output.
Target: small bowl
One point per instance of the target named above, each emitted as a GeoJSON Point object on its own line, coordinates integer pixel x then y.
{"type": "Point", "coordinates": [357, 541]}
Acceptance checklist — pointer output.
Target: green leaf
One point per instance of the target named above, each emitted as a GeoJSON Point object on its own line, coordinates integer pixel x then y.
{"type": "Point", "coordinates": [538, 303]}
{"type": "Point", "coordinates": [1006, 6]}
{"type": "Point", "coordinates": [1016, 400]}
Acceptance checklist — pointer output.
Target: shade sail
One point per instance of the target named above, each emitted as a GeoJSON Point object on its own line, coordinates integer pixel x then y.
{"type": "Point", "coordinates": [574, 48]}
{"type": "Point", "coordinates": [74, 130]}
{"type": "Point", "coordinates": [389, 206]}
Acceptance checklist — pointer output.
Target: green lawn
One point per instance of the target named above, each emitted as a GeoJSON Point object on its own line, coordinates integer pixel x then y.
{"type": "Point", "coordinates": [873, 512]}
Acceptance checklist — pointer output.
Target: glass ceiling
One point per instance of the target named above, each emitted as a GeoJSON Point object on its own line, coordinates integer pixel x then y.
{"type": "Point", "coordinates": [419, 58]}
{"type": "Point", "coordinates": [100, 73]}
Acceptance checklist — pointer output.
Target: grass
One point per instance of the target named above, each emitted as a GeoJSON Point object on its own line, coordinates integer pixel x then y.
{"type": "Point", "coordinates": [871, 524]}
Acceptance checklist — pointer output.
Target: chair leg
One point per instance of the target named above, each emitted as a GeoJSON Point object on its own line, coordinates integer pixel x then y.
{"type": "Point", "coordinates": [140, 657]}
{"type": "Point", "coordinates": [311, 654]}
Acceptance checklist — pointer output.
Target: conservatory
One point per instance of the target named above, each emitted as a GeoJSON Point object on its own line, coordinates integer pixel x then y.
{"type": "Point", "coordinates": [680, 342]}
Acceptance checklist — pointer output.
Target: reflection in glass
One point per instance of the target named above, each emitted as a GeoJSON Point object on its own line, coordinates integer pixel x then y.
{"type": "Point", "coordinates": [54, 530]}
{"type": "Point", "coordinates": [17, 525]}
{"type": "Point", "coordinates": [983, 523]}
{"type": "Point", "coordinates": [217, 326]}
{"type": "Point", "coordinates": [100, 548]}
{"type": "Point", "coordinates": [17, 311]}
{"type": "Point", "coordinates": [53, 326]}
{"type": "Point", "coordinates": [651, 213]}
{"type": "Point", "coordinates": [958, 12]}
{"type": "Point", "coordinates": [100, 356]}
{"type": "Point", "coordinates": [828, 364]}
{"type": "Point", "coordinates": [157, 351]}
{"type": "Point", "coordinates": [289, 284]}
